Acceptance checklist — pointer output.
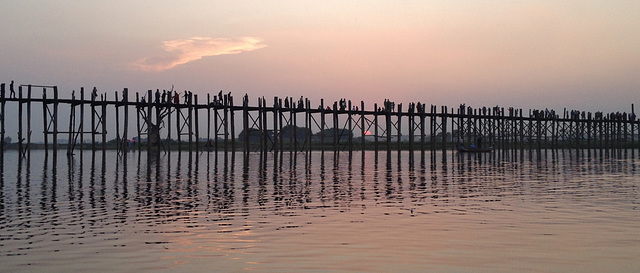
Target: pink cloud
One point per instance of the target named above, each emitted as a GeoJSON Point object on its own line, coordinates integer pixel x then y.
{"type": "Point", "coordinates": [182, 51]}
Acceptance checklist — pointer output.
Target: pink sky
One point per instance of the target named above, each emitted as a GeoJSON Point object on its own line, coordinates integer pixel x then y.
{"type": "Point", "coordinates": [529, 54]}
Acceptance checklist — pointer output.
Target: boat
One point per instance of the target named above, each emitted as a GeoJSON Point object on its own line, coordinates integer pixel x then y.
{"type": "Point", "coordinates": [473, 149]}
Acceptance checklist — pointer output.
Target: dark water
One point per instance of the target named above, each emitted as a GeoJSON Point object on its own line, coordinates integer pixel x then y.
{"type": "Point", "coordinates": [555, 211]}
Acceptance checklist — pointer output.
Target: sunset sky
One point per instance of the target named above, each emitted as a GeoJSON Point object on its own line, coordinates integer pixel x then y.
{"type": "Point", "coordinates": [528, 54]}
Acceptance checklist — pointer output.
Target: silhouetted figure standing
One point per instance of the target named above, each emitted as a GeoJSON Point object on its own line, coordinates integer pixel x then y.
{"type": "Point", "coordinates": [94, 94]}
{"type": "Point", "coordinates": [13, 92]}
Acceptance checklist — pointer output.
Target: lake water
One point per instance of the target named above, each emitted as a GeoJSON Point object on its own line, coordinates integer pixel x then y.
{"type": "Point", "coordinates": [549, 211]}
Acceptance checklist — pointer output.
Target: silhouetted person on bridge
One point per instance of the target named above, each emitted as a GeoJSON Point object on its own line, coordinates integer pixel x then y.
{"type": "Point", "coordinates": [13, 91]}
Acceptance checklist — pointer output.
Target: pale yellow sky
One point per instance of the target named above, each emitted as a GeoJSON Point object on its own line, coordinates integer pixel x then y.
{"type": "Point", "coordinates": [528, 54]}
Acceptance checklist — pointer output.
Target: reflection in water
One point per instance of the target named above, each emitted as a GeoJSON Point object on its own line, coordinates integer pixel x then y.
{"type": "Point", "coordinates": [295, 211]}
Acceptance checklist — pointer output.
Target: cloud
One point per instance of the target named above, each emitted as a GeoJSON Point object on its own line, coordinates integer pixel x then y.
{"type": "Point", "coordinates": [182, 51]}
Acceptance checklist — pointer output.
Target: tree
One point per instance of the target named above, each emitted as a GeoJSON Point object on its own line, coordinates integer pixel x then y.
{"type": "Point", "coordinates": [153, 129]}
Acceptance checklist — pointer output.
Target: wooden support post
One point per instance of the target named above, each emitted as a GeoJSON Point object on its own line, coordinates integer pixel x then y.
{"type": "Point", "coordinates": [410, 117]}
{"type": "Point", "coordinates": [492, 127]}
{"type": "Point", "coordinates": [322, 124]}
{"type": "Point", "coordinates": [294, 125]}
{"type": "Point", "coordinates": [208, 122]}
{"type": "Point", "coordinates": [225, 123]}
{"type": "Point", "coordinates": [216, 133]}
{"type": "Point", "coordinates": [399, 128]}
{"type": "Point", "coordinates": [45, 120]}
{"type": "Point", "coordinates": [606, 131]}
{"type": "Point", "coordinates": [138, 109]}
{"type": "Point", "coordinates": [589, 132]}
{"type": "Point", "coordinates": [169, 110]}
{"type": "Point", "coordinates": [335, 127]}
{"type": "Point", "coordinates": [632, 120]}
{"type": "Point", "coordinates": [20, 132]}
{"type": "Point", "coordinates": [530, 131]}
{"type": "Point", "coordinates": [499, 121]}
{"type": "Point", "coordinates": [422, 129]}
{"type": "Point", "coordinates": [262, 140]}
{"type": "Point", "coordinates": [349, 120]}
{"type": "Point", "coordinates": [375, 126]}
{"type": "Point", "coordinates": [28, 132]}
{"type": "Point", "coordinates": [625, 132]}
{"type": "Point", "coordinates": [470, 125]}
{"type": "Point", "coordinates": [432, 128]}
{"type": "Point", "coordinates": [452, 115]}
{"type": "Point", "coordinates": [460, 128]}
{"type": "Point", "coordinates": [387, 112]}
{"type": "Point", "coordinates": [55, 120]}
{"type": "Point", "coordinates": [362, 126]}
{"type": "Point", "coordinates": [2, 118]}
{"type": "Point", "coordinates": [275, 132]}
{"type": "Point", "coordinates": [178, 125]}
{"type": "Point", "coordinates": [444, 127]}
{"type": "Point", "coordinates": [233, 130]}
{"type": "Point", "coordinates": [93, 120]}
{"type": "Point", "coordinates": [156, 103]}
{"type": "Point", "coordinates": [245, 124]}
{"type": "Point", "coordinates": [81, 127]}
{"type": "Point", "coordinates": [104, 123]}
{"type": "Point", "coordinates": [196, 123]}
{"type": "Point", "coordinates": [119, 143]}
{"type": "Point", "coordinates": [280, 122]}
{"type": "Point", "coordinates": [264, 126]}
{"type": "Point", "coordinates": [554, 132]}
{"type": "Point", "coordinates": [190, 120]}
{"type": "Point", "coordinates": [539, 121]}
{"type": "Point", "coordinates": [125, 136]}
{"type": "Point", "coordinates": [308, 123]}
{"type": "Point", "coordinates": [148, 121]}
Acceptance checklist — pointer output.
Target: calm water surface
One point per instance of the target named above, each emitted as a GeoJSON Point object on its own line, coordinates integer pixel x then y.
{"type": "Point", "coordinates": [554, 211]}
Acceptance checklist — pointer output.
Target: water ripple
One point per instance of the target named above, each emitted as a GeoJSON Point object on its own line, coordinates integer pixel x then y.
{"type": "Point", "coordinates": [320, 211]}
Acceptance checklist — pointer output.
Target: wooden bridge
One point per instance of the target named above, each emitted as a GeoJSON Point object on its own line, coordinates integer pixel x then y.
{"type": "Point", "coordinates": [170, 120]}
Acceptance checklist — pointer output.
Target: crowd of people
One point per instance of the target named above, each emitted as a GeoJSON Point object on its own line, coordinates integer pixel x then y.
{"type": "Point", "coordinates": [170, 96]}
